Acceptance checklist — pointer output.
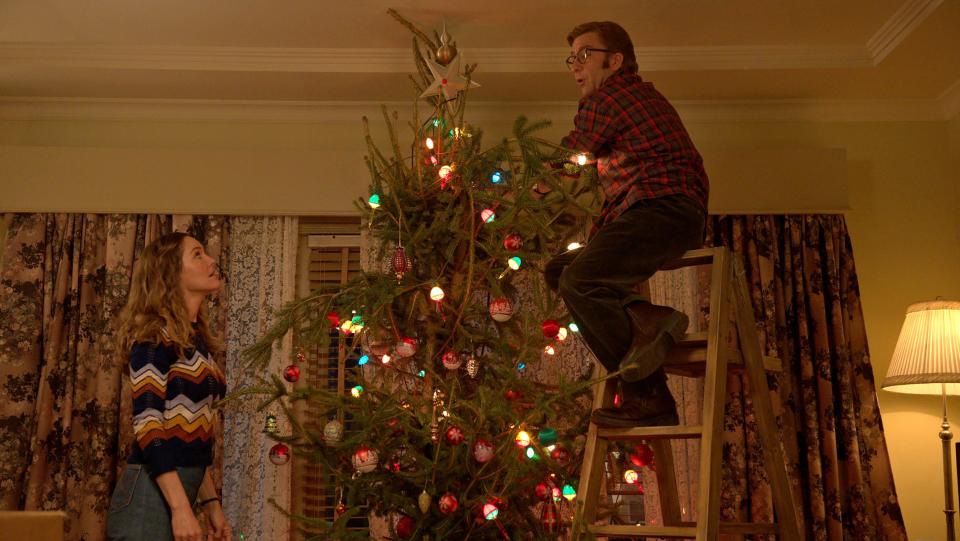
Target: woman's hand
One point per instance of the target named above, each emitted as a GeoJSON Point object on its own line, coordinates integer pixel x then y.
{"type": "Point", "coordinates": [185, 525]}
{"type": "Point", "coordinates": [218, 528]}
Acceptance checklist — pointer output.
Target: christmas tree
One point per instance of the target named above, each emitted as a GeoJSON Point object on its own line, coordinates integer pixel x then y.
{"type": "Point", "coordinates": [446, 432]}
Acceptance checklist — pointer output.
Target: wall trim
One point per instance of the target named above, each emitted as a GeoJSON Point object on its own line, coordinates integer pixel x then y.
{"type": "Point", "coordinates": [900, 25]}
{"type": "Point", "coordinates": [398, 60]}
{"type": "Point", "coordinates": [479, 112]}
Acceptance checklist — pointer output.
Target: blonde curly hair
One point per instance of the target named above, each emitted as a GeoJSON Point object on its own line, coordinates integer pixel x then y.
{"type": "Point", "coordinates": [155, 309]}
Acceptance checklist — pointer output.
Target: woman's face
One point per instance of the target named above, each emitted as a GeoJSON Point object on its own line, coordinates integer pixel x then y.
{"type": "Point", "coordinates": [198, 273]}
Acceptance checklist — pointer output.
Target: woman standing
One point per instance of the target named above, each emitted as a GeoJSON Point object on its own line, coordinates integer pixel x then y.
{"type": "Point", "coordinates": [166, 331]}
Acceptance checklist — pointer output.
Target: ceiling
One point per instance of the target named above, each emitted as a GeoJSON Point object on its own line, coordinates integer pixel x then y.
{"type": "Point", "coordinates": [889, 52]}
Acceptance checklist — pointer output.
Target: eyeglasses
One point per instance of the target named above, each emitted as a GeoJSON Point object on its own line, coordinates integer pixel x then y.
{"type": "Point", "coordinates": [582, 55]}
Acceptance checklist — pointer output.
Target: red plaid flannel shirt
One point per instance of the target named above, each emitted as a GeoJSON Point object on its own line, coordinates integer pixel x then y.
{"type": "Point", "coordinates": [642, 149]}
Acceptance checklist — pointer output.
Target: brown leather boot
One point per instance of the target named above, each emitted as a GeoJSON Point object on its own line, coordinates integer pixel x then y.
{"type": "Point", "coordinates": [646, 403]}
{"type": "Point", "coordinates": [655, 330]}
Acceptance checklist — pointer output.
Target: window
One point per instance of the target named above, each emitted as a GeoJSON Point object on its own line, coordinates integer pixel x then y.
{"type": "Point", "coordinates": [328, 255]}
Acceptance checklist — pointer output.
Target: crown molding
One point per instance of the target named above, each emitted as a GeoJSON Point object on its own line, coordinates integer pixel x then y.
{"type": "Point", "coordinates": [398, 60]}
{"type": "Point", "coordinates": [950, 100]}
{"type": "Point", "coordinates": [900, 25]}
{"type": "Point", "coordinates": [479, 112]}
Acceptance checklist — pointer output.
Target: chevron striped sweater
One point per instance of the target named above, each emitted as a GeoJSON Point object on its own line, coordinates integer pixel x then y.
{"type": "Point", "coordinates": [173, 399]}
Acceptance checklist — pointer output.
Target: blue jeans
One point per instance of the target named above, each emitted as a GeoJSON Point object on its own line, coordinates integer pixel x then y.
{"type": "Point", "coordinates": [138, 510]}
{"type": "Point", "coordinates": [597, 281]}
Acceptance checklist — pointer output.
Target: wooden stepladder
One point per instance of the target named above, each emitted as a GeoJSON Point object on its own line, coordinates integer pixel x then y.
{"type": "Point", "coordinates": [705, 355]}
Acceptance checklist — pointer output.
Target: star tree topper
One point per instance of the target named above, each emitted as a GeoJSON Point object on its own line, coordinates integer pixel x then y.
{"type": "Point", "coordinates": [446, 79]}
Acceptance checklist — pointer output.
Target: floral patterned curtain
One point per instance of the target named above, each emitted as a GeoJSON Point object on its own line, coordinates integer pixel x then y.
{"type": "Point", "coordinates": [64, 404]}
{"type": "Point", "coordinates": [801, 274]}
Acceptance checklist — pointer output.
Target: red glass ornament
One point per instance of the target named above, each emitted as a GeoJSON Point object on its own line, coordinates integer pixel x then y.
{"type": "Point", "coordinates": [405, 527]}
{"type": "Point", "coordinates": [333, 318]}
{"type": "Point", "coordinates": [560, 455]}
{"type": "Point", "coordinates": [482, 451]}
{"type": "Point", "coordinates": [550, 328]}
{"type": "Point", "coordinates": [542, 491]}
{"type": "Point", "coordinates": [642, 456]}
{"type": "Point", "coordinates": [550, 518]}
{"type": "Point", "coordinates": [500, 309]}
{"type": "Point", "coordinates": [401, 263]}
{"type": "Point", "coordinates": [291, 373]}
{"type": "Point", "coordinates": [513, 242]}
{"type": "Point", "coordinates": [510, 394]}
{"type": "Point", "coordinates": [454, 435]}
{"type": "Point", "coordinates": [339, 510]}
{"type": "Point", "coordinates": [448, 503]}
{"type": "Point", "coordinates": [279, 454]}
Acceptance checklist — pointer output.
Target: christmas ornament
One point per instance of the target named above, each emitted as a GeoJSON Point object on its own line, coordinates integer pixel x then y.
{"type": "Point", "coordinates": [550, 518]}
{"type": "Point", "coordinates": [365, 459]}
{"type": "Point", "coordinates": [550, 328]}
{"type": "Point", "coordinates": [423, 501]}
{"type": "Point", "coordinates": [513, 242]}
{"type": "Point", "coordinates": [542, 491]}
{"type": "Point", "coordinates": [547, 436]}
{"type": "Point", "coordinates": [560, 455]}
{"type": "Point", "coordinates": [339, 510]}
{"type": "Point", "coordinates": [279, 454]}
{"type": "Point", "coordinates": [642, 456]}
{"type": "Point", "coordinates": [291, 373]}
{"type": "Point", "coordinates": [333, 432]}
{"type": "Point", "coordinates": [447, 80]}
{"type": "Point", "coordinates": [487, 215]}
{"type": "Point", "coordinates": [448, 503]}
{"type": "Point", "coordinates": [451, 361]}
{"type": "Point", "coordinates": [271, 425]}
{"type": "Point", "coordinates": [401, 262]}
{"type": "Point", "coordinates": [406, 347]}
{"type": "Point", "coordinates": [473, 367]}
{"type": "Point", "coordinates": [454, 435]}
{"type": "Point", "coordinates": [500, 309]}
{"type": "Point", "coordinates": [435, 432]}
{"type": "Point", "coordinates": [447, 51]}
{"type": "Point", "coordinates": [333, 318]}
{"type": "Point", "coordinates": [482, 451]}
{"type": "Point", "coordinates": [405, 527]}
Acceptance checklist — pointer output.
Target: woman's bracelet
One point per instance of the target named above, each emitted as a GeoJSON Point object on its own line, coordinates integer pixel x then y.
{"type": "Point", "coordinates": [208, 500]}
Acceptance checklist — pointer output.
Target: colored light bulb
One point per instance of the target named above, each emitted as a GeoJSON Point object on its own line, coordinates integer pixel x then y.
{"type": "Point", "coordinates": [374, 201]}
{"type": "Point", "coordinates": [514, 263]}
{"type": "Point", "coordinates": [356, 391]}
{"type": "Point", "coordinates": [429, 143]}
{"type": "Point", "coordinates": [363, 360]}
{"type": "Point", "coordinates": [436, 294]}
{"type": "Point", "coordinates": [496, 177]}
{"type": "Point", "coordinates": [487, 215]}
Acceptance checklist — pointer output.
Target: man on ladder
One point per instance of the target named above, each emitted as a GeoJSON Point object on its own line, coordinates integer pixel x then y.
{"type": "Point", "coordinates": [655, 199]}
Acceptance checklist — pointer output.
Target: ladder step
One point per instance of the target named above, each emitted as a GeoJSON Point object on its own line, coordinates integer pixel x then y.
{"type": "Point", "coordinates": [678, 432]}
{"type": "Point", "coordinates": [684, 529]}
{"type": "Point", "coordinates": [688, 357]}
{"type": "Point", "coordinates": [701, 256]}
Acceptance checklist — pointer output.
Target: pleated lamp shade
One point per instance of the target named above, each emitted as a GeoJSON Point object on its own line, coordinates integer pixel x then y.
{"type": "Point", "coordinates": [928, 350]}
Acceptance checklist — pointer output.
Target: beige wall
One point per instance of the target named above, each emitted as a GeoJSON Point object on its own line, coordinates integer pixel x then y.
{"type": "Point", "coordinates": [899, 181]}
